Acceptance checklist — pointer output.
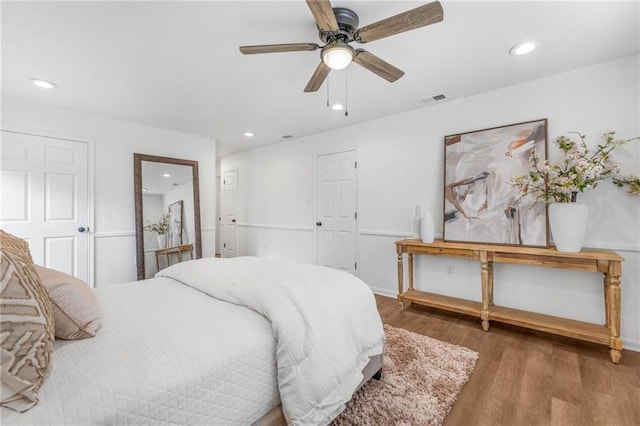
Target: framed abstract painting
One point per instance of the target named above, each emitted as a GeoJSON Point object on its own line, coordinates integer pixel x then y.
{"type": "Point", "coordinates": [481, 204]}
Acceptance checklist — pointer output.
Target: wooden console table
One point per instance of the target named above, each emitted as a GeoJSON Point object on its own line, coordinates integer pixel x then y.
{"type": "Point", "coordinates": [178, 250]}
{"type": "Point", "coordinates": [606, 262]}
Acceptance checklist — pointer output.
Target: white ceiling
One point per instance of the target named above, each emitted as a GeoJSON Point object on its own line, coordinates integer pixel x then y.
{"type": "Point", "coordinates": [176, 65]}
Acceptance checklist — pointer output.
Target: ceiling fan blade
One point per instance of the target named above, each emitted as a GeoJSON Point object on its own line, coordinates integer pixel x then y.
{"type": "Point", "coordinates": [422, 16]}
{"type": "Point", "coordinates": [273, 48]}
{"type": "Point", "coordinates": [318, 77]}
{"type": "Point", "coordinates": [323, 14]}
{"type": "Point", "coordinates": [376, 65]}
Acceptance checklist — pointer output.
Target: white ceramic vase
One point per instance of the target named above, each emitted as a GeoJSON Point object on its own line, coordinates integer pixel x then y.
{"type": "Point", "coordinates": [162, 241]}
{"type": "Point", "coordinates": [568, 222]}
{"type": "Point", "coordinates": [428, 229]}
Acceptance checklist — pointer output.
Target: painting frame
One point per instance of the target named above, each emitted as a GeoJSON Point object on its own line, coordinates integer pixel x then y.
{"type": "Point", "coordinates": [175, 223]}
{"type": "Point", "coordinates": [480, 202]}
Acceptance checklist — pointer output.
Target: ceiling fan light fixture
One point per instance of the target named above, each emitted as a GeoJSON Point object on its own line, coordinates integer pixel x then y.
{"type": "Point", "coordinates": [337, 55]}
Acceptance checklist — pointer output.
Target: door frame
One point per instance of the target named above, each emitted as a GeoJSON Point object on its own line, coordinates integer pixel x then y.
{"type": "Point", "coordinates": [356, 242]}
{"type": "Point", "coordinates": [90, 142]}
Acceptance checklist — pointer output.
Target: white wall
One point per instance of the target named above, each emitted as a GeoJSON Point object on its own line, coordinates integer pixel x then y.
{"type": "Point", "coordinates": [114, 142]}
{"type": "Point", "coordinates": [400, 164]}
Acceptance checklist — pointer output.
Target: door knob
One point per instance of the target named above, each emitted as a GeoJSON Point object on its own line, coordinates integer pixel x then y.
{"type": "Point", "coordinates": [318, 223]}
{"type": "Point", "coordinates": [83, 229]}
{"type": "Point", "coordinates": [233, 221]}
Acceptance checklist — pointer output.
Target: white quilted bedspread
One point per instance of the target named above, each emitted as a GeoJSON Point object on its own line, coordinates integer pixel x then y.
{"type": "Point", "coordinates": [325, 323]}
{"type": "Point", "coordinates": [165, 354]}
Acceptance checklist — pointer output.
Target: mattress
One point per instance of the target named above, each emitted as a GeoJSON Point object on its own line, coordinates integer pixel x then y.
{"type": "Point", "coordinates": [165, 354]}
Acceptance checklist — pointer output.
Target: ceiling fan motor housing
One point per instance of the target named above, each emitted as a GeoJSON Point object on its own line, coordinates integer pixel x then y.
{"type": "Point", "coordinates": [347, 22]}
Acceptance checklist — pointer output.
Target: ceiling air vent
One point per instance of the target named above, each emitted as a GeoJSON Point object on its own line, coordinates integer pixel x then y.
{"type": "Point", "coordinates": [287, 136]}
{"type": "Point", "coordinates": [435, 98]}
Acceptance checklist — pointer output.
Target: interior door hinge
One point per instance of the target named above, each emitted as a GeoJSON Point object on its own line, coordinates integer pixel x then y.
{"type": "Point", "coordinates": [356, 265]}
{"type": "Point", "coordinates": [356, 164]}
{"type": "Point", "coordinates": [224, 245]}
{"type": "Point", "coordinates": [355, 215]}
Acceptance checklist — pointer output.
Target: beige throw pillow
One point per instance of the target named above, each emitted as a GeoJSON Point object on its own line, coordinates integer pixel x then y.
{"type": "Point", "coordinates": [74, 305]}
{"type": "Point", "coordinates": [26, 331]}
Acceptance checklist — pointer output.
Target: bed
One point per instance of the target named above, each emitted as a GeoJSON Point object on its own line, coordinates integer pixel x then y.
{"type": "Point", "coordinates": [217, 341]}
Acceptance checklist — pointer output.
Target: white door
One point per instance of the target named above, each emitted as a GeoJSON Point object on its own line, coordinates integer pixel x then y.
{"type": "Point", "coordinates": [44, 184]}
{"type": "Point", "coordinates": [336, 211]}
{"type": "Point", "coordinates": [228, 212]}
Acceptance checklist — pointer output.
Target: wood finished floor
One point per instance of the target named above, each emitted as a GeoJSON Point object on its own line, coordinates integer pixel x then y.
{"type": "Point", "coordinates": [525, 377]}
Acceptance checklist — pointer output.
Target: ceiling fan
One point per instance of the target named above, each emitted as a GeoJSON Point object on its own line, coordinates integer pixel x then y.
{"type": "Point", "coordinates": [338, 26]}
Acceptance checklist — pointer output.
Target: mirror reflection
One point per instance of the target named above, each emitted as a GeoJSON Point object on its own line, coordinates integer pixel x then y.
{"type": "Point", "coordinates": [167, 212]}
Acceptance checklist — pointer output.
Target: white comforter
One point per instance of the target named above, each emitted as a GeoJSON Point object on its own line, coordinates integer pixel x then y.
{"type": "Point", "coordinates": [325, 323]}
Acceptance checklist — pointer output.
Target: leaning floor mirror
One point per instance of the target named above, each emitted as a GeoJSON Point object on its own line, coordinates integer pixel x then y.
{"type": "Point", "coordinates": [167, 208]}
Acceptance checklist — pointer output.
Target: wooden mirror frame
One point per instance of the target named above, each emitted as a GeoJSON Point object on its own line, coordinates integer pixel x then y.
{"type": "Point", "coordinates": [137, 185]}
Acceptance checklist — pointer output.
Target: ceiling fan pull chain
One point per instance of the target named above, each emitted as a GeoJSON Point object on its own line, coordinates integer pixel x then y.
{"type": "Point", "coordinates": [346, 93]}
{"type": "Point", "coordinates": [328, 93]}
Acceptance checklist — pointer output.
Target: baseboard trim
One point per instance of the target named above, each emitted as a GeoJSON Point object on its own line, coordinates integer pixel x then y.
{"type": "Point", "coordinates": [384, 292]}
{"type": "Point", "coordinates": [631, 344]}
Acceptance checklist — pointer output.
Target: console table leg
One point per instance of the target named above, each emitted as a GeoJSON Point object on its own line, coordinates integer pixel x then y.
{"type": "Point", "coordinates": [485, 321]}
{"type": "Point", "coordinates": [490, 266]}
{"type": "Point", "coordinates": [410, 271]}
{"type": "Point", "coordinates": [607, 313]}
{"type": "Point", "coordinates": [612, 279]}
{"type": "Point", "coordinates": [615, 355]}
{"type": "Point", "coordinates": [400, 273]}
{"type": "Point", "coordinates": [485, 277]}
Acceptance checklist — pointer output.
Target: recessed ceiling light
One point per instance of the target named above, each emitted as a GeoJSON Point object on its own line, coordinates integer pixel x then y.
{"type": "Point", "coordinates": [337, 107]}
{"type": "Point", "coordinates": [523, 48]}
{"type": "Point", "coordinates": [249, 134]}
{"type": "Point", "coordinates": [166, 175]}
{"type": "Point", "coordinates": [43, 83]}
{"type": "Point", "coordinates": [144, 189]}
